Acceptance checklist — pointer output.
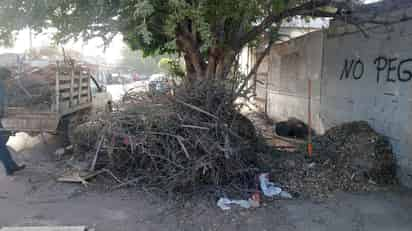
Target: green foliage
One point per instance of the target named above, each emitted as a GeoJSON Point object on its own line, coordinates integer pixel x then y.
{"type": "Point", "coordinates": [16, 15]}
{"type": "Point", "coordinates": [147, 25]}
{"type": "Point", "coordinates": [143, 65]}
{"type": "Point", "coordinates": [192, 27]}
{"type": "Point", "coordinates": [172, 66]}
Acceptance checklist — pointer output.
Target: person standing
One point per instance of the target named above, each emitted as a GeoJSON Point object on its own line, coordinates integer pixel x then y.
{"type": "Point", "coordinates": [5, 157]}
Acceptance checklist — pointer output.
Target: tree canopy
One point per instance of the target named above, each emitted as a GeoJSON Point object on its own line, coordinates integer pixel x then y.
{"type": "Point", "coordinates": [143, 65]}
{"type": "Point", "coordinates": [209, 34]}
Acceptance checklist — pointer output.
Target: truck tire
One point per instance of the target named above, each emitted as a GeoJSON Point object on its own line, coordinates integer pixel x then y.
{"type": "Point", "coordinates": [70, 122]}
{"type": "Point", "coordinates": [63, 130]}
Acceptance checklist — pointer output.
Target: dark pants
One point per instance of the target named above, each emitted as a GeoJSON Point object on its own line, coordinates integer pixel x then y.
{"type": "Point", "coordinates": [5, 157]}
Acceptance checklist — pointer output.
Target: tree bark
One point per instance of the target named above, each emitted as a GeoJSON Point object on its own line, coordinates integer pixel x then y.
{"type": "Point", "coordinates": [213, 60]}
{"type": "Point", "coordinates": [188, 44]}
{"type": "Point", "coordinates": [191, 74]}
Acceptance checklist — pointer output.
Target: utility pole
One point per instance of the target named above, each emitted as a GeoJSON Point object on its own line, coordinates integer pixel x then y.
{"type": "Point", "coordinates": [30, 42]}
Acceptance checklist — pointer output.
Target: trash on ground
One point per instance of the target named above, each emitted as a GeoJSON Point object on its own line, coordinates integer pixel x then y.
{"type": "Point", "coordinates": [45, 228]}
{"type": "Point", "coordinates": [59, 153]}
{"type": "Point", "coordinates": [83, 176]}
{"type": "Point", "coordinates": [270, 189]}
{"type": "Point", "coordinates": [285, 195]}
{"type": "Point", "coordinates": [75, 177]}
{"type": "Point", "coordinates": [224, 203]}
{"type": "Point", "coordinates": [293, 128]}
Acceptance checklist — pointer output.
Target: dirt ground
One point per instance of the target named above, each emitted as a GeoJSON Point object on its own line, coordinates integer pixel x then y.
{"type": "Point", "coordinates": [33, 197]}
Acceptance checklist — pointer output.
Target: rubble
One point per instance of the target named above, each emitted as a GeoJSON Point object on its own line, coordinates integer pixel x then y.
{"type": "Point", "coordinates": [350, 157]}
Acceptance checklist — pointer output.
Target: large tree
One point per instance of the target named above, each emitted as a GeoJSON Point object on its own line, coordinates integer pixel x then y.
{"type": "Point", "coordinates": [209, 34]}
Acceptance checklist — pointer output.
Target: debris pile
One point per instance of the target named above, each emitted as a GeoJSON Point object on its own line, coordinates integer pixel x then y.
{"type": "Point", "coordinates": [35, 87]}
{"type": "Point", "coordinates": [193, 139]}
{"type": "Point", "coordinates": [32, 86]}
{"type": "Point", "coordinates": [350, 157]}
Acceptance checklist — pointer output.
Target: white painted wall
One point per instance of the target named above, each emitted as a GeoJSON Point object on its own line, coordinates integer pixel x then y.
{"type": "Point", "coordinates": [385, 102]}
{"type": "Point", "coordinates": [289, 70]}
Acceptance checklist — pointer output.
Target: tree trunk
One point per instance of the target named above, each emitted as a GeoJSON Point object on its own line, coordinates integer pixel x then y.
{"type": "Point", "coordinates": [223, 64]}
{"type": "Point", "coordinates": [191, 74]}
{"type": "Point", "coordinates": [217, 65]}
{"type": "Point", "coordinates": [187, 43]}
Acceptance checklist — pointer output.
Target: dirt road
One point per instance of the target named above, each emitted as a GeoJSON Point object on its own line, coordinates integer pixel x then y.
{"type": "Point", "coordinates": [33, 197]}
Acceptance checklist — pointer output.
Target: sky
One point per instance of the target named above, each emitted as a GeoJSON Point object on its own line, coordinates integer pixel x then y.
{"type": "Point", "coordinates": [93, 47]}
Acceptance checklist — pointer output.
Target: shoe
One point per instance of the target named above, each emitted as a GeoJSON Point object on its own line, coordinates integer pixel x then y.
{"type": "Point", "coordinates": [16, 169]}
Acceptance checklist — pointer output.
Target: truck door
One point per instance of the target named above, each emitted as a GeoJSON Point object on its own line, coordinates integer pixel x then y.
{"type": "Point", "coordinates": [100, 97]}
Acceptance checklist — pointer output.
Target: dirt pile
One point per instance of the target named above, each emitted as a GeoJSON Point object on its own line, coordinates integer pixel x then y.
{"type": "Point", "coordinates": [179, 143]}
{"type": "Point", "coordinates": [350, 157]}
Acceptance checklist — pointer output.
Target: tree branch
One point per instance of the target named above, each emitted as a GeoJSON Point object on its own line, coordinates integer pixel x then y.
{"type": "Point", "coordinates": [353, 19]}
{"type": "Point", "coordinates": [187, 43]}
{"type": "Point", "coordinates": [277, 18]}
{"type": "Point", "coordinates": [257, 64]}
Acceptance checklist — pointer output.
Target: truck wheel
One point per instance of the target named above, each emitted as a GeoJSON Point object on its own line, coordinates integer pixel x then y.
{"type": "Point", "coordinates": [63, 130]}
{"type": "Point", "coordinates": [70, 122]}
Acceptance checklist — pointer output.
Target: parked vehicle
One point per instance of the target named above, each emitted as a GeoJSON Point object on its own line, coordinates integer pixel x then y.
{"type": "Point", "coordinates": [159, 84]}
{"type": "Point", "coordinates": [143, 77]}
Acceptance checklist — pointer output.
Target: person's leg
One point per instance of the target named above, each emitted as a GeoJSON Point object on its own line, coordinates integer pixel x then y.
{"type": "Point", "coordinates": [5, 157]}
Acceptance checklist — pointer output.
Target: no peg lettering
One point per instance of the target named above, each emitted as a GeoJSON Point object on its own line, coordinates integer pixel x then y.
{"type": "Point", "coordinates": [389, 69]}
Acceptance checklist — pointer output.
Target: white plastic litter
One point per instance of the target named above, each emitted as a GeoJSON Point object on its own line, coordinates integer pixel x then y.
{"type": "Point", "coordinates": [285, 195]}
{"type": "Point", "coordinates": [224, 203]}
{"type": "Point", "coordinates": [268, 188]}
{"type": "Point", "coordinates": [312, 165]}
{"type": "Point", "coordinates": [60, 152]}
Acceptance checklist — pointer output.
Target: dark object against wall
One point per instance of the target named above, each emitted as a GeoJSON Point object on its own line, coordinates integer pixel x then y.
{"type": "Point", "coordinates": [293, 128]}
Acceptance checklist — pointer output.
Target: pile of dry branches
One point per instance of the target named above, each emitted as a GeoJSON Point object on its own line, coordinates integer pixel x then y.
{"type": "Point", "coordinates": [176, 143]}
{"type": "Point", "coordinates": [35, 87]}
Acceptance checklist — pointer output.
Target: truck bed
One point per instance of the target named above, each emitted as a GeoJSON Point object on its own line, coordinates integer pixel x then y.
{"type": "Point", "coordinates": [71, 93]}
{"type": "Point", "coordinates": [17, 119]}
{"type": "Point", "coordinates": [21, 119]}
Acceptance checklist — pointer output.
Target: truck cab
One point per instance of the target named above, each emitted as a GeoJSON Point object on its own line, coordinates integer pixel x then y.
{"type": "Point", "coordinates": [101, 98]}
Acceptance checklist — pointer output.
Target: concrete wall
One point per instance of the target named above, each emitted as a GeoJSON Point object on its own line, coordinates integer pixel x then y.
{"type": "Point", "coordinates": [353, 78]}
{"type": "Point", "coordinates": [370, 78]}
{"type": "Point", "coordinates": [287, 71]}
{"type": "Point", "coordinates": [289, 31]}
